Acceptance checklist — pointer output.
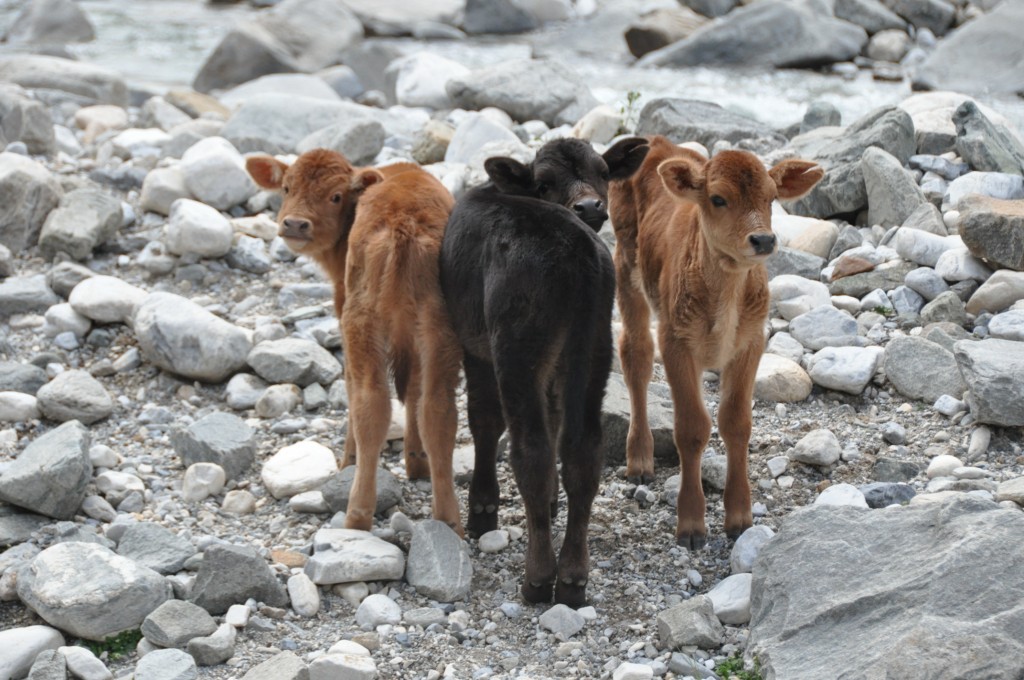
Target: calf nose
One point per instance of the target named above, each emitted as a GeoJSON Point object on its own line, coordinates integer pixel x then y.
{"type": "Point", "coordinates": [294, 227]}
{"type": "Point", "coordinates": [591, 211]}
{"type": "Point", "coordinates": [763, 244]}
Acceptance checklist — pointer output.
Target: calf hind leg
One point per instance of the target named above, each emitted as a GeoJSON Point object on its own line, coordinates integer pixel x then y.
{"type": "Point", "coordinates": [636, 351]}
{"type": "Point", "coordinates": [486, 423]}
{"type": "Point", "coordinates": [416, 465]}
{"type": "Point", "coordinates": [439, 419]}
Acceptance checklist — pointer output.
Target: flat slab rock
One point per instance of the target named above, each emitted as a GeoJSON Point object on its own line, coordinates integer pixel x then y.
{"type": "Point", "coordinates": [881, 593]}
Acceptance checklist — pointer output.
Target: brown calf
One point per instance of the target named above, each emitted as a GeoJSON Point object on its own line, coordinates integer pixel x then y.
{"type": "Point", "coordinates": [382, 259]}
{"type": "Point", "coordinates": [692, 237]}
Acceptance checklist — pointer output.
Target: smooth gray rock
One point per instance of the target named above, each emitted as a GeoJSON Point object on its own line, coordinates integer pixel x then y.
{"type": "Point", "coordinates": [892, 595]}
{"type": "Point", "coordinates": [993, 230]}
{"type": "Point", "coordinates": [946, 307]}
{"type": "Point", "coordinates": [496, 16]}
{"type": "Point", "coordinates": [283, 666]}
{"type": "Point", "coordinates": [885, 277]}
{"type": "Point", "coordinates": [769, 33]}
{"type": "Point", "coordinates": [1002, 185]}
{"type": "Point", "coordinates": [906, 300]}
{"type": "Point", "coordinates": [48, 665]}
{"type": "Point", "coordinates": [1007, 325]}
{"type": "Point", "coordinates": [994, 372]}
{"type": "Point", "coordinates": [294, 361]}
{"type": "Point", "coordinates": [839, 151]}
{"type": "Point", "coordinates": [893, 195]}
{"type": "Point", "coordinates": [748, 547]}
{"type": "Point", "coordinates": [822, 327]}
{"type": "Point", "coordinates": [935, 15]}
{"type": "Point", "coordinates": [88, 591]}
{"type": "Point", "coordinates": [21, 294]}
{"type": "Point", "coordinates": [17, 527]}
{"type": "Point", "coordinates": [26, 120]}
{"type": "Point", "coordinates": [249, 254]}
{"type": "Point", "coordinates": [348, 556]}
{"type": "Point", "coordinates": [925, 217]}
{"type": "Point", "coordinates": [438, 566]}
{"type": "Point", "coordinates": [984, 145]}
{"type": "Point", "coordinates": [711, 8]}
{"type": "Point", "coordinates": [85, 218]}
{"type": "Point", "coordinates": [198, 229]}
{"type": "Point", "coordinates": [615, 420]}
{"type": "Point", "coordinates": [215, 174]}
{"type": "Point", "coordinates": [75, 395]}
{"type": "Point", "coordinates": [542, 89]}
{"type": "Point", "coordinates": [871, 15]}
{"type": "Point", "coordinates": [796, 262]}
{"type": "Point", "coordinates": [76, 78]}
{"type": "Point", "coordinates": [246, 52]}
{"type": "Point", "coordinates": [17, 377]}
{"type": "Point", "coordinates": [276, 123]}
{"type": "Point", "coordinates": [175, 622]}
{"type": "Point", "coordinates": [50, 22]}
{"type": "Point", "coordinates": [156, 547]}
{"type": "Point", "coordinates": [338, 487]}
{"type": "Point", "coordinates": [692, 623]}
{"type": "Point", "coordinates": [884, 494]}
{"type": "Point", "coordinates": [179, 336]}
{"type": "Point", "coordinates": [104, 299]}
{"type": "Point", "coordinates": [22, 645]}
{"type": "Point", "coordinates": [686, 120]}
{"type": "Point", "coordinates": [51, 474]}
{"type": "Point", "coordinates": [166, 664]}
{"type": "Point", "coordinates": [562, 621]}
{"type": "Point", "coordinates": [818, 447]}
{"type": "Point", "coordinates": [921, 369]}
{"type": "Point", "coordinates": [378, 609]}
{"type": "Point", "coordinates": [358, 140]}
{"type": "Point", "coordinates": [220, 438]}
{"type": "Point", "coordinates": [215, 648]}
{"type": "Point", "coordinates": [231, 574]}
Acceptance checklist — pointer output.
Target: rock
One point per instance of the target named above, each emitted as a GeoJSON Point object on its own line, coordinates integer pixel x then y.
{"type": "Point", "coordinates": [1001, 290]}
{"type": "Point", "coordinates": [291, 84]}
{"type": "Point", "coordinates": [600, 125]}
{"type": "Point", "coordinates": [784, 345]}
{"type": "Point", "coordinates": [818, 447]}
{"type": "Point", "coordinates": [615, 420]}
{"type": "Point", "coordinates": [404, 18]}
{"type": "Point", "coordinates": [661, 27]}
{"type": "Point", "coordinates": [378, 609]}
{"type": "Point", "coordinates": [986, 146]}
{"type": "Point", "coordinates": [49, 665]}
{"type": "Point", "coordinates": [106, 299]}
{"type": "Point", "coordinates": [934, 15]}
{"type": "Point", "coordinates": [683, 666]}
{"type": "Point", "coordinates": [771, 34]}
{"type": "Point", "coordinates": [27, 120]}
{"type": "Point", "coordinates": [26, 378]}
{"type": "Point", "coordinates": [496, 16]}
{"type": "Point", "coordinates": [530, 89]}
{"type": "Point", "coordinates": [795, 295]}
{"type": "Point", "coordinates": [873, 556]}
{"type": "Point", "coordinates": [179, 336]}
{"type": "Point", "coordinates": [158, 112]}
{"type": "Point", "coordinates": [276, 123]}
{"type": "Point", "coordinates": [685, 120]}
{"type": "Point", "coordinates": [117, 593]}
{"type": "Point", "coordinates": [632, 671]}
{"type": "Point", "coordinates": [338, 487]}
{"type": "Point", "coordinates": [824, 326]}
{"type": "Point", "coordinates": [162, 187]}
{"type": "Point", "coordinates": [50, 22]}
{"type": "Point", "coordinates": [197, 228]}
{"type": "Point", "coordinates": [692, 623]}
{"type": "Point", "coordinates": [300, 467]}
{"type": "Point", "coordinates": [18, 407]}
{"type": "Point", "coordinates": [77, 78]}
{"type": "Point", "coordinates": [215, 648]}
{"type": "Point", "coordinates": [22, 645]}
{"type": "Point", "coordinates": [820, 113]}
{"type": "Point", "coordinates": [473, 132]}
{"type": "Point", "coordinates": [22, 294]}
{"type": "Point", "coordinates": [1009, 187]}
{"type": "Point", "coordinates": [841, 495]}
{"type": "Point", "coordinates": [748, 546]}
{"type": "Point", "coordinates": [175, 622]}
{"type": "Point", "coordinates": [347, 556]}
{"type": "Point", "coordinates": [921, 369]}
{"type": "Point", "coordinates": [201, 481]}
{"type": "Point", "coordinates": [943, 466]}
{"type": "Point", "coordinates": [358, 140]}
{"type": "Point", "coordinates": [493, 541]}
{"type": "Point", "coordinates": [889, 45]}
{"type": "Point", "coordinates": [947, 307]}
{"type": "Point", "coordinates": [921, 247]}
{"type": "Point", "coordinates": [993, 371]}
{"type": "Point", "coordinates": [781, 380]}
{"type": "Point", "coordinates": [85, 218]}
{"type": "Point", "coordinates": [926, 217]}
{"type": "Point", "coordinates": [794, 262]}
{"type": "Point", "coordinates": [419, 79]}
{"type": "Point", "coordinates": [957, 264]}
{"type": "Point", "coordinates": [278, 400]}
{"type": "Point", "coordinates": [840, 152]}
{"type": "Point", "coordinates": [731, 599]}
{"type": "Point", "coordinates": [993, 230]}
{"type": "Point", "coordinates": [283, 666]}
{"type": "Point", "coordinates": [956, 62]}
{"type": "Point", "coordinates": [893, 195]}
{"type": "Point", "coordinates": [1008, 325]}
{"type": "Point", "coordinates": [219, 438]}
{"type": "Point", "coordinates": [75, 395]}
{"type": "Point", "coordinates": [885, 276]}
{"type": "Point", "coordinates": [28, 193]}
{"type": "Point", "coordinates": [438, 566]}
{"type": "Point", "coordinates": [51, 474]}
{"type": "Point", "coordinates": [562, 621]}
{"type": "Point", "coordinates": [1011, 490]}
{"type": "Point", "coordinates": [806, 234]}
{"type": "Point", "coordinates": [432, 142]}
{"type": "Point", "coordinates": [63, 318]}
{"type": "Point", "coordinates": [349, 666]}
{"type": "Point", "coordinates": [239, 503]}
{"type": "Point", "coordinates": [305, 598]}
{"type": "Point", "coordinates": [156, 547]}
{"type": "Point", "coordinates": [215, 174]}
{"type": "Point", "coordinates": [926, 282]}
{"type": "Point", "coordinates": [294, 360]}
{"type": "Point", "coordinates": [231, 574]}
{"type": "Point", "coordinates": [244, 390]}
{"type": "Point", "coordinates": [166, 664]}
{"type": "Point", "coordinates": [884, 494]}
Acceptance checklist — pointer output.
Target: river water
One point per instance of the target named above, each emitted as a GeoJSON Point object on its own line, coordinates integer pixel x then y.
{"type": "Point", "coordinates": [163, 43]}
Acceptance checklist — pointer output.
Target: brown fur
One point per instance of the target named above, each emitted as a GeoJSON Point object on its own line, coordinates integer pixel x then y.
{"type": "Point", "coordinates": [697, 267]}
{"type": "Point", "coordinates": [377, 233]}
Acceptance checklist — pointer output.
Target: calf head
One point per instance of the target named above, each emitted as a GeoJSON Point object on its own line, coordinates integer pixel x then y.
{"type": "Point", "coordinates": [571, 173]}
{"type": "Point", "coordinates": [321, 189]}
{"type": "Point", "coordinates": [734, 195]}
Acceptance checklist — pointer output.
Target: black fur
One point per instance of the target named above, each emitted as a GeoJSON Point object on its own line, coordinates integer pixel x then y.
{"type": "Point", "coordinates": [530, 289]}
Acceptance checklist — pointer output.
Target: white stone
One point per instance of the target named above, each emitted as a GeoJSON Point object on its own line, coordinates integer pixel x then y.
{"type": "Point", "coordinates": [472, 133]}
{"type": "Point", "coordinates": [161, 188]}
{"type": "Point", "coordinates": [943, 466]}
{"type": "Point", "coordinates": [18, 407]}
{"type": "Point", "coordinates": [747, 547]}
{"type": "Point", "coordinates": [100, 118]}
{"type": "Point", "coordinates": [794, 295]}
{"type": "Point", "coordinates": [304, 595]}
{"type": "Point", "coordinates": [806, 234]}
{"type": "Point", "coordinates": [599, 125]}
{"type": "Point", "coordinates": [842, 494]}
{"type": "Point", "coordinates": [957, 264]}
{"type": "Point", "coordinates": [818, 447]}
{"type": "Point", "coordinates": [83, 664]}
{"type": "Point", "coordinates": [353, 593]}
{"type": "Point", "coordinates": [308, 501]}
{"type": "Point", "coordinates": [779, 379]}
{"type": "Point", "coordinates": [106, 299]}
{"type": "Point", "coordinates": [632, 671]}
{"type": "Point", "coordinates": [195, 227]}
{"type": "Point", "coordinates": [349, 555]}
{"type": "Point", "coordinates": [1006, 326]}
{"type": "Point", "coordinates": [948, 405]}
{"type": "Point", "coordinates": [848, 303]}
{"type": "Point", "coordinates": [239, 502]}
{"type": "Point", "coordinates": [378, 609]}
{"type": "Point", "coordinates": [134, 141]}
{"type": "Point", "coordinates": [63, 317]}
{"type": "Point", "coordinates": [493, 541]}
{"type": "Point", "coordinates": [297, 468]}
{"type": "Point", "coordinates": [785, 345]}
{"type": "Point", "coordinates": [999, 292]}
{"type": "Point", "coordinates": [971, 473]}
{"type": "Point", "coordinates": [777, 465]}
{"type": "Point", "coordinates": [237, 615]}
{"type": "Point", "coordinates": [215, 173]}
{"type": "Point", "coordinates": [562, 621]}
{"type": "Point", "coordinates": [846, 369]}
{"type": "Point", "coordinates": [923, 247]}
{"type": "Point", "coordinates": [348, 647]}
{"type": "Point", "coordinates": [343, 667]}
{"type": "Point", "coordinates": [202, 480]}
{"type": "Point", "coordinates": [420, 79]}
{"type": "Point", "coordinates": [731, 599]}
{"type": "Point", "coordinates": [20, 646]}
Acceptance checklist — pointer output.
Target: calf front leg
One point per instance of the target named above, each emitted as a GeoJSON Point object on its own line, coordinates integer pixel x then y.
{"type": "Point", "coordinates": [636, 351]}
{"type": "Point", "coordinates": [486, 423]}
{"type": "Point", "coordinates": [691, 432]}
{"type": "Point", "coordinates": [734, 425]}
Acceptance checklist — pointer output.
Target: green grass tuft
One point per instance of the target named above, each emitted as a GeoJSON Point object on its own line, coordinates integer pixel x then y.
{"type": "Point", "coordinates": [733, 668]}
{"type": "Point", "coordinates": [116, 647]}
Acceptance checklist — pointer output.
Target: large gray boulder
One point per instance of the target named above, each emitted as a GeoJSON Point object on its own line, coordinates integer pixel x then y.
{"type": "Point", "coordinates": [76, 78]}
{"type": "Point", "coordinates": [994, 373]}
{"type": "Point", "coordinates": [690, 120]}
{"type": "Point", "coordinates": [179, 336]}
{"type": "Point", "coordinates": [51, 474]}
{"type": "Point", "coordinates": [922, 369]}
{"type": "Point", "coordinates": [28, 192]}
{"type": "Point", "coordinates": [935, 15]}
{"type": "Point", "coordinates": [50, 22]}
{"type": "Point", "coordinates": [88, 591]}
{"type": "Point", "coordinates": [248, 51]}
{"type": "Point", "coordinates": [85, 218]}
{"type": "Point", "coordinates": [840, 152]}
{"type": "Point", "coordinates": [19, 294]}
{"type": "Point", "coordinates": [993, 230]}
{"type": "Point", "coordinates": [768, 33]}
{"type": "Point", "coordinates": [276, 123]}
{"type": "Point", "coordinates": [403, 17]}
{"type": "Point", "coordinates": [526, 89]}
{"type": "Point", "coordinates": [891, 602]}
{"type": "Point", "coordinates": [893, 194]}
{"type": "Point", "coordinates": [26, 120]}
{"type": "Point", "coordinates": [958, 64]}
{"type": "Point", "coordinates": [984, 145]}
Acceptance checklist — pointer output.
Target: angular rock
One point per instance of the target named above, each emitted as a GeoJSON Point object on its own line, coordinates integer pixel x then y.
{"type": "Point", "coordinates": [562, 621]}
{"type": "Point", "coordinates": [358, 140]}
{"type": "Point", "coordinates": [692, 623]}
{"type": "Point", "coordinates": [496, 16]}
{"type": "Point", "coordinates": [22, 645]}
{"type": "Point", "coordinates": [731, 599]}
{"type": "Point", "coordinates": [106, 299]}
{"type": "Point", "coordinates": [156, 547]}
{"type": "Point", "coordinates": [49, 665]}
{"type": "Point", "coordinates": [85, 218]}
{"type": "Point", "coordinates": [817, 447]}
{"type": "Point", "coordinates": [686, 120]}
{"type": "Point", "coordinates": [175, 622]}
{"type": "Point", "coordinates": [884, 494]}
{"type": "Point", "coordinates": [473, 132]}
{"type": "Point", "coordinates": [348, 556]}
{"type": "Point", "coordinates": [419, 79]}
{"type": "Point", "coordinates": [794, 262]}
{"type": "Point", "coordinates": [294, 360]}
{"type": "Point", "coordinates": [88, 591]}
{"type": "Point", "coordinates": [166, 664]}
{"type": "Point", "coordinates": [993, 371]}
{"type": "Point", "coordinates": [215, 648]}
{"type": "Point", "coordinates": [893, 195]}
{"type": "Point", "coordinates": [824, 326]}
{"type": "Point", "coordinates": [162, 187]}
{"type": "Point", "coordinates": [231, 574]}
{"type": "Point", "coordinates": [283, 666]}
{"type": "Point", "coordinates": [215, 174]}
{"type": "Point", "coordinates": [945, 308]}
{"type": "Point", "coordinates": [300, 467]}
{"type": "Point", "coordinates": [51, 474]}
{"type": "Point", "coordinates": [338, 487]}
{"type": "Point", "coordinates": [50, 22]}
{"type": "Point", "coordinates": [926, 282]}
{"type": "Point", "coordinates": [75, 395]}
{"type": "Point", "coordinates": [16, 377]}
{"type": "Point", "coordinates": [219, 438]}
{"type": "Point", "coordinates": [22, 294]}
{"type": "Point", "coordinates": [795, 295]}
{"type": "Point", "coordinates": [28, 192]}
{"type": "Point", "coordinates": [27, 120]}
{"type": "Point", "coordinates": [993, 230]}
{"type": "Point", "coordinates": [349, 666]}
{"type": "Point", "coordinates": [886, 276]}
{"type": "Point", "coordinates": [780, 379]}
{"type": "Point", "coordinates": [194, 227]}
{"type": "Point", "coordinates": [661, 27]}
{"type": "Point", "coordinates": [438, 566]}
{"type": "Point", "coordinates": [921, 369]}
{"type": "Point", "coordinates": [986, 146]}
{"type": "Point", "coordinates": [934, 15]}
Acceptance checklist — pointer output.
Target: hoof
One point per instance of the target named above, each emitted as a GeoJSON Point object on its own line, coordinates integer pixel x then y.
{"type": "Point", "coordinates": [536, 593]}
{"type": "Point", "coordinates": [417, 466]}
{"type": "Point", "coordinates": [482, 519]}
{"type": "Point", "coordinates": [691, 541]}
{"type": "Point", "coordinates": [734, 533]}
{"type": "Point", "coordinates": [645, 478]}
{"type": "Point", "coordinates": [571, 594]}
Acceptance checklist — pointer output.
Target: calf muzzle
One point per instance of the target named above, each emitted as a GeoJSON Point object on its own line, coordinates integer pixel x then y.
{"type": "Point", "coordinates": [764, 244]}
{"type": "Point", "coordinates": [592, 211]}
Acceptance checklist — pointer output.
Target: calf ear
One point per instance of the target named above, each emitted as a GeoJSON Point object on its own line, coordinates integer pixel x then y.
{"type": "Point", "coordinates": [364, 179]}
{"type": "Point", "coordinates": [509, 175]}
{"type": "Point", "coordinates": [795, 178]}
{"type": "Point", "coordinates": [267, 171]}
{"type": "Point", "coordinates": [683, 177]}
{"type": "Point", "coordinates": [625, 157]}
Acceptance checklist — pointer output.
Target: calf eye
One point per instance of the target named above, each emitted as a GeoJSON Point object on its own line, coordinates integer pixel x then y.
{"type": "Point", "coordinates": [542, 188]}
{"type": "Point", "coordinates": [285, 190]}
{"type": "Point", "coordinates": [336, 198]}
{"type": "Point", "coordinates": [718, 201]}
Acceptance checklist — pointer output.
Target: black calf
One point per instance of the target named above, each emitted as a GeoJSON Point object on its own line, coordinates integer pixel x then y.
{"type": "Point", "coordinates": [529, 287]}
